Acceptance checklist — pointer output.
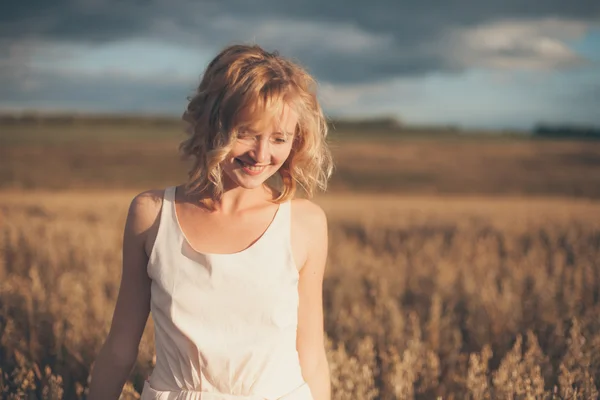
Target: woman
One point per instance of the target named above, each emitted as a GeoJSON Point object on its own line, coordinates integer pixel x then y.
{"type": "Point", "coordinates": [229, 263]}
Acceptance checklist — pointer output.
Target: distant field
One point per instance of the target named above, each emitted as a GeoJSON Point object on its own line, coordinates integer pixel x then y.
{"type": "Point", "coordinates": [425, 297]}
{"type": "Point", "coordinates": [114, 156]}
{"type": "Point", "coordinates": [460, 267]}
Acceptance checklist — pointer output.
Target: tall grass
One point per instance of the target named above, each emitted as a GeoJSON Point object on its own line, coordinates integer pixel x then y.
{"type": "Point", "coordinates": [424, 298]}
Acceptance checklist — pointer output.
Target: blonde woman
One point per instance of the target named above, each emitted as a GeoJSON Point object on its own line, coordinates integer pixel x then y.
{"type": "Point", "coordinates": [230, 263]}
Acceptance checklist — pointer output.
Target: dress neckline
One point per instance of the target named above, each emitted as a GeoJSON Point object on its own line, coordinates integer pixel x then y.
{"type": "Point", "coordinates": [236, 253]}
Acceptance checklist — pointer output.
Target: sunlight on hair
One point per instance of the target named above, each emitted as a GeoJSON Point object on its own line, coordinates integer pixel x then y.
{"type": "Point", "coordinates": [245, 85]}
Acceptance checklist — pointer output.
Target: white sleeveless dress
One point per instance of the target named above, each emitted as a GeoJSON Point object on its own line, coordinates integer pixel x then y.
{"type": "Point", "coordinates": [225, 324]}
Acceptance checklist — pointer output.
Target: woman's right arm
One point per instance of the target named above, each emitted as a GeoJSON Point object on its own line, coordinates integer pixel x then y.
{"type": "Point", "coordinates": [119, 352]}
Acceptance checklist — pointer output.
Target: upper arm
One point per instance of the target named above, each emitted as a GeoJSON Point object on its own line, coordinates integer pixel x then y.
{"type": "Point", "coordinates": [133, 301]}
{"type": "Point", "coordinates": [311, 336]}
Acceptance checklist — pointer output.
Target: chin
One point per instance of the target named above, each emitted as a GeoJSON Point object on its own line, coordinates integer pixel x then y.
{"type": "Point", "coordinates": [249, 182]}
{"type": "Point", "coordinates": [251, 185]}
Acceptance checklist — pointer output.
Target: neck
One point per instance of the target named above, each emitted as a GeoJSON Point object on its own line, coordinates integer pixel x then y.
{"type": "Point", "coordinates": [238, 198]}
{"type": "Point", "coordinates": [235, 199]}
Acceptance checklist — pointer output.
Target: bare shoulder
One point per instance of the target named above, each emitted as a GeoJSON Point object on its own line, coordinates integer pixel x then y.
{"type": "Point", "coordinates": [143, 219]}
{"type": "Point", "coordinates": [309, 216]}
{"type": "Point", "coordinates": [144, 210]}
{"type": "Point", "coordinates": [309, 227]}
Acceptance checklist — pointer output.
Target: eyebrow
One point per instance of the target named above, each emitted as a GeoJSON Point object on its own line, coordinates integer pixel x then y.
{"type": "Point", "coordinates": [285, 133]}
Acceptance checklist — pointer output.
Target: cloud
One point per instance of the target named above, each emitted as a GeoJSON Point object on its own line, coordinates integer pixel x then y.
{"type": "Point", "coordinates": [306, 36]}
{"type": "Point", "coordinates": [110, 91]}
{"type": "Point", "coordinates": [368, 56]}
{"type": "Point", "coordinates": [340, 41]}
{"type": "Point", "coordinates": [517, 44]}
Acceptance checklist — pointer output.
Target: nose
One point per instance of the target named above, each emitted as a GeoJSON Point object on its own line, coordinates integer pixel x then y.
{"type": "Point", "coordinates": [261, 150]}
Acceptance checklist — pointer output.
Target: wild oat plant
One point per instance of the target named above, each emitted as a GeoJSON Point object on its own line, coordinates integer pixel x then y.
{"type": "Point", "coordinates": [425, 298]}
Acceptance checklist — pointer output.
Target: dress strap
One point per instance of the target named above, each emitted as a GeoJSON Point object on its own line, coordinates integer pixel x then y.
{"type": "Point", "coordinates": [168, 208]}
{"type": "Point", "coordinates": [284, 229]}
{"type": "Point", "coordinates": [282, 220]}
{"type": "Point", "coordinates": [164, 218]}
{"type": "Point", "coordinates": [170, 194]}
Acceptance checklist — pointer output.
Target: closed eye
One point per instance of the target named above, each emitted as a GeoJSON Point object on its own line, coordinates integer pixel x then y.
{"type": "Point", "coordinates": [245, 135]}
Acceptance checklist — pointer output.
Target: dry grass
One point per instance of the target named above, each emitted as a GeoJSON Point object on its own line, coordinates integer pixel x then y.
{"type": "Point", "coordinates": [452, 297]}
{"type": "Point", "coordinates": [124, 157]}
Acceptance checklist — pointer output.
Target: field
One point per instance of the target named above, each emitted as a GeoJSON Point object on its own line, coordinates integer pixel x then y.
{"type": "Point", "coordinates": [113, 156]}
{"type": "Point", "coordinates": [473, 272]}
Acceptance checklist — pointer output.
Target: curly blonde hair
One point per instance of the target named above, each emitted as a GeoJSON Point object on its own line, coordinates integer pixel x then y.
{"type": "Point", "coordinates": [246, 80]}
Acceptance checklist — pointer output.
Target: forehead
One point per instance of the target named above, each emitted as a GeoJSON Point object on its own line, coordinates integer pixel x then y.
{"type": "Point", "coordinates": [277, 118]}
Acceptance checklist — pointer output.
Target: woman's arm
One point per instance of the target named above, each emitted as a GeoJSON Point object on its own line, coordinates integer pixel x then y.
{"type": "Point", "coordinates": [311, 335]}
{"type": "Point", "coordinates": [119, 352]}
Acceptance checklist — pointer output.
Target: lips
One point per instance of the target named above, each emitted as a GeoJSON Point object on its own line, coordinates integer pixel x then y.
{"type": "Point", "coordinates": [250, 169]}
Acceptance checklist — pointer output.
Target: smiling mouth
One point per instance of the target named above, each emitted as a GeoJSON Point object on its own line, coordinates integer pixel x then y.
{"type": "Point", "coordinates": [252, 169]}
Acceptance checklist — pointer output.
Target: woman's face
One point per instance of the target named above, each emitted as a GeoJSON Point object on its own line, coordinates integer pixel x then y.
{"type": "Point", "coordinates": [260, 150]}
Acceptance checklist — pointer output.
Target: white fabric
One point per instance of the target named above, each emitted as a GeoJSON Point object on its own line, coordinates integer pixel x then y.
{"type": "Point", "coordinates": [225, 324]}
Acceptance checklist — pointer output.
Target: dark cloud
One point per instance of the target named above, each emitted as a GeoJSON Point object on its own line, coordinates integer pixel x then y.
{"type": "Point", "coordinates": [398, 37]}
{"type": "Point", "coordinates": [113, 93]}
{"type": "Point", "coordinates": [94, 19]}
{"type": "Point", "coordinates": [72, 20]}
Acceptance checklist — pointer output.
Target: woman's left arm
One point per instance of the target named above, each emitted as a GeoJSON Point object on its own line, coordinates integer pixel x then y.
{"type": "Point", "coordinates": [311, 336]}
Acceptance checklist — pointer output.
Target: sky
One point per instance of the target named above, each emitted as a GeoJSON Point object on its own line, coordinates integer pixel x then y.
{"type": "Point", "coordinates": [507, 64]}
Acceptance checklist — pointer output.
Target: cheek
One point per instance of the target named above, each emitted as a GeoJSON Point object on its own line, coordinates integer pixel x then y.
{"type": "Point", "coordinates": [238, 149]}
{"type": "Point", "coordinates": [280, 155]}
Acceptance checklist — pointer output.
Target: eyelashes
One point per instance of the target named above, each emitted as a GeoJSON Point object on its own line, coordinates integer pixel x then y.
{"type": "Point", "coordinates": [251, 136]}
